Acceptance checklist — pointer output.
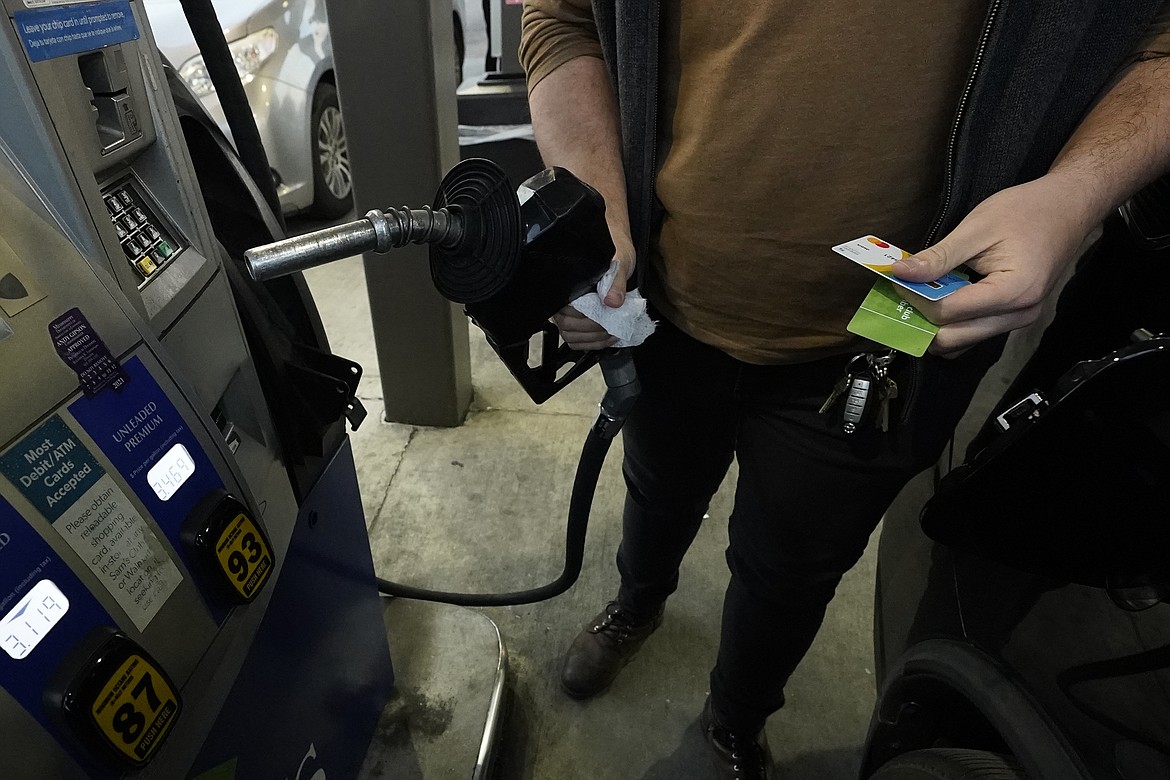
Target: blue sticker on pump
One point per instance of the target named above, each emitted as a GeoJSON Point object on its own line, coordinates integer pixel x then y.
{"type": "Point", "coordinates": [48, 33]}
{"type": "Point", "coordinates": [139, 429]}
{"type": "Point", "coordinates": [51, 468]}
{"type": "Point", "coordinates": [150, 444]}
{"type": "Point", "coordinates": [44, 612]}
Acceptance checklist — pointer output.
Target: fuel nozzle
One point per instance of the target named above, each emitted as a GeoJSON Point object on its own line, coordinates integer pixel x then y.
{"type": "Point", "coordinates": [474, 229]}
{"type": "Point", "coordinates": [513, 258]}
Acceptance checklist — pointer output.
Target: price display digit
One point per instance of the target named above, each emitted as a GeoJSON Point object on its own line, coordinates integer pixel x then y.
{"type": "Point", "coordinates": [26, 624]}
{"type": "Point", "coordinates": [243, 553]}
{"type": "Point", "coordinates": [170, 472]}
{"type": "Point", "coordinates": [135, 709]}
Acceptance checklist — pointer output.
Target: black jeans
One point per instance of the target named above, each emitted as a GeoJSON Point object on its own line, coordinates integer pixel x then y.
{"type": "Point", "coordinates": [807, 499]}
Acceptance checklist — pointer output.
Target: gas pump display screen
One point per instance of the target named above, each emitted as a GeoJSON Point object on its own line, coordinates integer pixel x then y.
{"type": "Point", "coordinates": [171, 471]}
{"type": "Point", "coordinates": [26, 624]}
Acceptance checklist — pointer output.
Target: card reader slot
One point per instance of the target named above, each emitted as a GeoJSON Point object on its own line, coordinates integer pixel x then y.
{"type": "Point", "coordinates": [105, 76]}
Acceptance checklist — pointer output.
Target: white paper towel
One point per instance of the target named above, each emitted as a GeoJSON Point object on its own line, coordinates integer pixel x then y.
{"type": "Point", "coordinates": [629, 323]}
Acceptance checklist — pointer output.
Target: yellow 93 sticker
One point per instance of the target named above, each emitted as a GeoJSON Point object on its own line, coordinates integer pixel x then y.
{"type": "Point", "coordinates": [244, 555]}
{"type": "Point", "coordinates": [136, 709]}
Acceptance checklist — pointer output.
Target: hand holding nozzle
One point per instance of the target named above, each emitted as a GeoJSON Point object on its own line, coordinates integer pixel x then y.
{"type": "Point", "coordinates": [379, 231]}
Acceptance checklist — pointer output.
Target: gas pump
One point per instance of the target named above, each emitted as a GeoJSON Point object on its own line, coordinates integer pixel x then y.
{"type": "Point", "coordinates": [174, 590]}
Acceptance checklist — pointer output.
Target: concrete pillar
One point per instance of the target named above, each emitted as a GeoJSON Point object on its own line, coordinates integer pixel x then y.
{"type": "Point", "coordinates": [396, 83]}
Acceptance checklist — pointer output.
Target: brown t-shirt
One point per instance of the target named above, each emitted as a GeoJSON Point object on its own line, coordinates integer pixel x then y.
{"type": "Point", "coordinates": [785, 127]}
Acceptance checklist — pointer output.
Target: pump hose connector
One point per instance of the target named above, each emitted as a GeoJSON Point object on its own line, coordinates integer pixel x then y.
{"type": "Point", "coordinates": [395, 228]}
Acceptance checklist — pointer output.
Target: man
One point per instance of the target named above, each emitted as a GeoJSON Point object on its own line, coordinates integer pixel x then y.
{"type": "Point", "coordinates": [734, 144]}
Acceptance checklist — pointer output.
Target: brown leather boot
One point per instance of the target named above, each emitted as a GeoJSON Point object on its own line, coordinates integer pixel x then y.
{"type": "Point", "coordinates": [735, 756]}
{"type": "Point", "coordinates": [602, 648]}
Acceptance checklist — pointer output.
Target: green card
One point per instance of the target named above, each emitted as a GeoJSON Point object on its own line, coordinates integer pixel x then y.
{"type": "Point", "coordinates": [886, 317]}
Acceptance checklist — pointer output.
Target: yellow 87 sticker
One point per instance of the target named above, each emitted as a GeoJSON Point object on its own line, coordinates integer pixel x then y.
{"type": "Point", "coordinates": [135, 709]}
{"type": "Point", "coordinates": [243, 554]}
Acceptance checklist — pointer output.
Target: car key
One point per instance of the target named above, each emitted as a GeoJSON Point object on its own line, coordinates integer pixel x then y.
{"type": "Point", "coordinates": [843, 383]}
{"type": "Point", "coordinates": [838, 388]}
{"type": "Point", "coordinates": [859, 399]}
{"type": "Point", "coordinates": [887, 391]}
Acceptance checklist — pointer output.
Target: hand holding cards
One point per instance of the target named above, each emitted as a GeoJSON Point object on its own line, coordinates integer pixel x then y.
{"type": "Point", "coordinates": [885, 315]}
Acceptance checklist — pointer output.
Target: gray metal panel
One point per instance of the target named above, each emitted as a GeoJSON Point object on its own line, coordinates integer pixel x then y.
{"type": "Point", "coordinates": [193, 342]}
{"type": "Point", "coordinates": [39, 754]}
{"type": "Point", "coordinates": [59, 109]}
{"type": "Point", "coordinates": [397, 91]}
{"type": "Point", "coordinates": [56, 266]}
{"type": "Point", "coordinates": [25, 126]}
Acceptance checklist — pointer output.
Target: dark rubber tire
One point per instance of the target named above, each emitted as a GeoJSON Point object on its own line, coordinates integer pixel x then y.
{"type": "Point", "coordinates": [950, 764]}
{"type": "Point", "coordinates": [332, 175]}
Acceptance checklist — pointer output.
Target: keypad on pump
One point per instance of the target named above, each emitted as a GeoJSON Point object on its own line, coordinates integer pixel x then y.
{"type": "Point", "coordinates": [143, 237]}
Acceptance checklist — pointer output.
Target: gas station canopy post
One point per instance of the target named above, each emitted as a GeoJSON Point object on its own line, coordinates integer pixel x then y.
{"type": "Point", "coordinates": [397, 93]}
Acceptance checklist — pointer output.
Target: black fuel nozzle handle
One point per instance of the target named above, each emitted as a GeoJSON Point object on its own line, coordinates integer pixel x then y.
{"type": "Point", "coordinates": [378, 231]}
{"type": "Point", "coordinates": [622, 391]}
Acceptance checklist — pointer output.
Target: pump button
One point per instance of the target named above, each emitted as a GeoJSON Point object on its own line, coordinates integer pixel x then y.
{"type": "Point", "coordinates": [230, 547]}
{"type": "Point", "coordinates": [122, 701]}
{"type": "Point", "coordinates": [147, 265]}
{"type": "Point", "coordinates": [244, 555]}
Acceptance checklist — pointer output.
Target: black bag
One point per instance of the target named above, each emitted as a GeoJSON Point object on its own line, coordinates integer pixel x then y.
{"type": "Point", "coordinates": [1076, 486]}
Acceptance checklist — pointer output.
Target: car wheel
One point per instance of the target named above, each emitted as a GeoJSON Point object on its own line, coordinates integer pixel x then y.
{"type": "Point", "coordinates": [950, 764]}
{"type": "Point", "coordinates": [332, 175]}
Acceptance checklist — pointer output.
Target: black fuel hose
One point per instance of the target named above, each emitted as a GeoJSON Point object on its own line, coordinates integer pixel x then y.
{"type": "Point", "coordinates": [580, 503]}
{"type": "Point", "coordinates": [623, 389]}
{"type": "Point", "coordinates": [221, 68]}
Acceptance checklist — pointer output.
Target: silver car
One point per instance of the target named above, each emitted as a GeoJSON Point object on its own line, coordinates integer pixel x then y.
{"type": "Point", "coordinates": [284, 57]}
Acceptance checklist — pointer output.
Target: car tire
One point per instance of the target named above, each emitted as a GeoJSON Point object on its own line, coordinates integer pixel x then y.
{"type": "Point", "coordinates": [950, 764]}
{"type": "Point", "coordinates": [332, 175]}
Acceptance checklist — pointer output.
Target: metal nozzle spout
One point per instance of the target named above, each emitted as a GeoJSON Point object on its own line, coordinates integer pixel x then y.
{"type": "Point", "coordinates": [378, 231]}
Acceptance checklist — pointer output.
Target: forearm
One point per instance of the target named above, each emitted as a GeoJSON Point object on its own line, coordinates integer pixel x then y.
{"type": "Point", "coordinates": [1122, 144]}
{"type": "Point", "coordinates": [575, 119]}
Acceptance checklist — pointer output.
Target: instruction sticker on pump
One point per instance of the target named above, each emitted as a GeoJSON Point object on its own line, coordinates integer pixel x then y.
{"type": "Point", "coordinates": [52, 29]}
{"type": "Point", "coordinates": [244, 556]}
{"type": "Point", "coordinates": [135, 709]}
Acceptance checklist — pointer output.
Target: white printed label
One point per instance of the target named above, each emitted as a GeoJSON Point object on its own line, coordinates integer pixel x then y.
{"type": "Point", "coordinates": [121, 549]}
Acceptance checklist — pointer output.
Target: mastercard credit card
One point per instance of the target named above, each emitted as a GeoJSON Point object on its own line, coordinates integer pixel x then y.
{"type": "Point", "coordinates": [878, 256]}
